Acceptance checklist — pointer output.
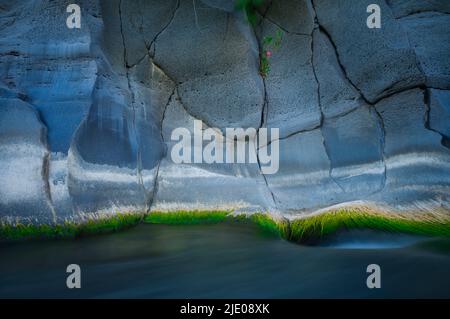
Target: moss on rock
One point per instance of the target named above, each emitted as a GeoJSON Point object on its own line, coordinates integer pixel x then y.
{"type": "Point", "coordinates": [69, 229]}
{"type": "Point", "coordinates": [303, 230]}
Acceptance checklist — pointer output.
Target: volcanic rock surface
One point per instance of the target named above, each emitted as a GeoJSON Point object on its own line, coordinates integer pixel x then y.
{"type": "Point", "coordinates": [86, 115]}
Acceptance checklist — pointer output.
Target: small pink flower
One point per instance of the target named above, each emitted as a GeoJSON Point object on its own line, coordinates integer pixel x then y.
{"type": "Point", "coordinates": [268, 53]}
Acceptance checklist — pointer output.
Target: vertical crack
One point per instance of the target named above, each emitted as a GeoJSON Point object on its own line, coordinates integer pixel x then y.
{"type": "Point", "coordinates": [163, 29]}
{"type": "Point", "coordinates": [322, 116]}
{"type": "Point", "coordinates": [156, 182]}
{"type": "Point", "coordinates": [445, 141]}
{"type": "Point", "coordinates": [275, 201]}
{"type": "Point", "coordinates": [382, 144]}
{"type": "Point", "coordinates": [263, 121]}
{"type": "Point", "coordinates": [46, 179]}
{"type": "Point", "coordinates": [149, 196]}
{"type": "Point", "coordinates": [319, 99]}
{"type": "Point", "coordinates": [363, 97]}
{"type": "Point", "coordinates": [45, 168]}
{"type": "Point", "coordinates": [139, 177]}
{"type": "Point", "coordinates": [149, 46]}
{"type": "Point", "coordinates": [265, 106]}
{"type": "Point", "coordinates": [338, 58]}
{"type": "Point", "coordinates": [122, 35]}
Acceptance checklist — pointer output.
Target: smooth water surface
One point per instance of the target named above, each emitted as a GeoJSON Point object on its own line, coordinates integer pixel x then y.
{"type": "Point", "coordinates": [224, 260]}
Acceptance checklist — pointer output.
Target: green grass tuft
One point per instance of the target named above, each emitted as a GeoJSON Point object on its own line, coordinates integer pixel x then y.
{"type": "Point", "coordinates": [305, 230]}
{"type": "Point", "coordinates": [270, 225]}
{"type": "Point", "coordinates": [69, 229]}
{"type": "Point", "coordinates": [266, 223]}
{"type": "Point", "coordinates": [186, 217]}
{"type": "Point", "coordinates": [319, 226]}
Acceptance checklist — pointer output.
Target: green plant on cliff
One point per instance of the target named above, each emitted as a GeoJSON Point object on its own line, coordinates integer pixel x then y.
{"type": "Point", "coordinates": [269, 45]}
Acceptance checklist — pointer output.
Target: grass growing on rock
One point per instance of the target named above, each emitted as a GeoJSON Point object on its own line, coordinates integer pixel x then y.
{"type": "Point", "coordinates": [303, 230]}
{"type": "Point", "coordinates": [186, 217]}
{"type": "Point", "coordinates": [271, 226]}
{"type": "Point", "coordinates": [318, 226]}
{"type": "Point", "coordinates": [264, 221]}
{"type": "Point", "coordinates": [69, 229]}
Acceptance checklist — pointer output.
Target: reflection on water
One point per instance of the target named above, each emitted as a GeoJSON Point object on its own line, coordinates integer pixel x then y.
{"type": "Point", "coordinates": [369, 239]}
{"type": "Point", "coordinates": [226, 260]}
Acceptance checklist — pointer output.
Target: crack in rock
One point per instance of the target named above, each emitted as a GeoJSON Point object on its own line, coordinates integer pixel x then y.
{"type": "Point", "coordinates": [264, 115]}
{"type": "Point", "coordinates": [155, 38]}
{"type": "Point", "coordinates": [133, 101]}
{"type": "Point", "coordinates": [156, 181]}
{"type": "Point", "coordinates": [445, 141]}
{"type": "Point", "coordinates": [372, 105]}
{"type": "Point", "coordinates": [322, 116]}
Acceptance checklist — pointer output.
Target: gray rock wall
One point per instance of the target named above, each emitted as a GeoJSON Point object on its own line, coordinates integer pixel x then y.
{"type": "Point", "coordinates": [86, 115]}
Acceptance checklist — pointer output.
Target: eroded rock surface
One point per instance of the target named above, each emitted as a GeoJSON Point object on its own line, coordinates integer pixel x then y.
{"type": "Point", "coordinates": [87, 115]}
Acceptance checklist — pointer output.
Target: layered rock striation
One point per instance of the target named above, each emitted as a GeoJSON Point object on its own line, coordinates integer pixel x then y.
{"type": "Point", "coordinates": [86, 115]}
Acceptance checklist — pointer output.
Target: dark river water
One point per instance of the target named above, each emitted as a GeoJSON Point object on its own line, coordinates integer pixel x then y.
{"type": "Point", "coordinates": [225, 261]}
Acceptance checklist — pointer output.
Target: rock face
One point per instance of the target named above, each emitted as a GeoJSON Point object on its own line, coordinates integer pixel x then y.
{"type": "Point", "coordinates": [23, 174]}
{"type": "Point", "coordinates": [87, 115]}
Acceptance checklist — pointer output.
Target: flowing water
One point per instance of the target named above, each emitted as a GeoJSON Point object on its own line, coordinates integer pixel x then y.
{"type": "Point", "coordinates": [225, 261]}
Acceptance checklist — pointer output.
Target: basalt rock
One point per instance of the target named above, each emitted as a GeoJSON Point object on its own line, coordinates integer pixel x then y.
{"type": "Point", "coordinates": [87, 115]}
